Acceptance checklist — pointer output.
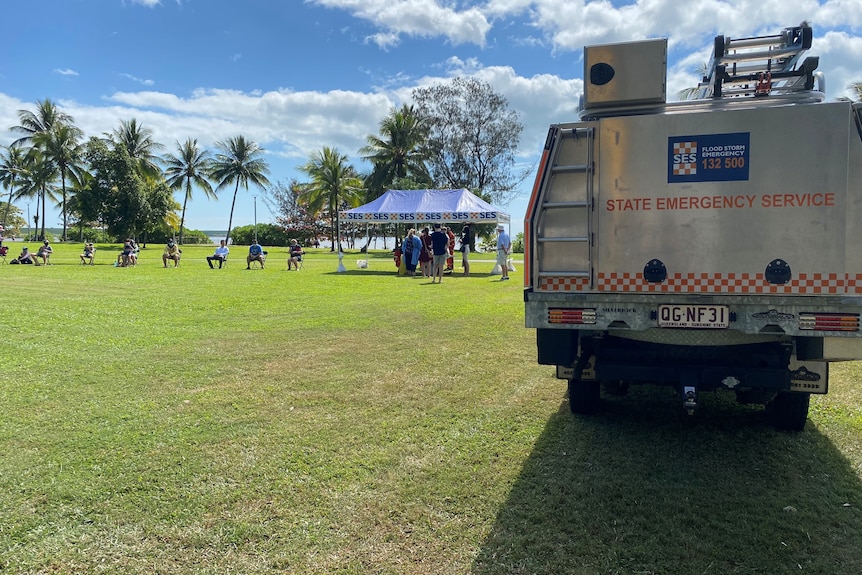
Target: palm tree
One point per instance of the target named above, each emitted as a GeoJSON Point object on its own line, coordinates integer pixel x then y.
{"type": "Point", "coordinates": [692, 93]}
{"type": "Point", "coordinates": [36, 176]}
{"type": "Point", "coordinates": [139, 142]}
{"type": "Point", "coordinates": [60, 145]}
{"type": "Point", "coordinates": [11, 163]}
{"type": "Point", "coordinates": [238, 161]}
{"type": "Point", "coordinates": [52, 130]}
{"type": "Point", "coordinates": [189, 166]}
{"type": "Point", "coordinates": [42, 120]}
{"type": "Point", "coordinates": [399, 151]}
{"type": "Point", "coordinates": [333, 181]}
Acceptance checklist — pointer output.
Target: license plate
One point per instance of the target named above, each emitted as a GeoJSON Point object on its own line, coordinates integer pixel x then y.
{"type": "Point", "coordinates": [694, 316]}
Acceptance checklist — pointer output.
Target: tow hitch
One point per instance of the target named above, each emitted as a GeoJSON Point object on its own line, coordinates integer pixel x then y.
{"type": "Point", "coordinates": [689, 391]}
{"type": "Point", "coordinates": [689, 398]}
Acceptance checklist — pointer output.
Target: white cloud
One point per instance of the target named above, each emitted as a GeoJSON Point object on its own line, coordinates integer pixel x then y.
{"type": "Point", "coordinates": [65, 72]}
{"type": "Point", "coordinates": [138, 80]}
{"type": "Point", "coordinates": [841, 61]}
{"type": "Point", "coordinates": [291, 124]}
{"type": "Point", "coordinates": [423, 18]}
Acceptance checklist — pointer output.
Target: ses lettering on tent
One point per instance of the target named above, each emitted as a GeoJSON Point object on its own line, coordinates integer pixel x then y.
{"type": "Point", "coordinates": [425, 216]}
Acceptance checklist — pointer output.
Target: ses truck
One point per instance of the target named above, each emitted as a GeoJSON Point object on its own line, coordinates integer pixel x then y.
{"type": "Point", "coordinates": [710, 243]}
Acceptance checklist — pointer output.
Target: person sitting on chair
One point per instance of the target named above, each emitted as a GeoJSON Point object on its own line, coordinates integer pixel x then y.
{"type": "Point", "coordinates": [172, 252]}
{"type": "Point", "coordinates": [45, 251]}
{"type": "Point", "coordinates": [255, 254]}
{"type": "Point", "coordinates": [220, 255]}
{"type": "Point", "coordinates": [124, 258]}
{"type": "Point", "coordinates": [89, 254]}
{"type": "Point", "coordinates": [133, 255]}
{"type": "Point", "coordinates": [25, 258]}
{"type": "Point", "coordinates": [295, 255]}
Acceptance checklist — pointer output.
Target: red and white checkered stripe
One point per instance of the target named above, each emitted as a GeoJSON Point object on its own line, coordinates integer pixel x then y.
{"type": "Point", "coordinates": [805, 284]}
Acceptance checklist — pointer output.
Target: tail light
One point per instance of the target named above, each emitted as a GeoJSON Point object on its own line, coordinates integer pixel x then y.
{"type": "Point", "coordinates": [572, 315]}
{"type": "Point", "coordinates": [829, 321]}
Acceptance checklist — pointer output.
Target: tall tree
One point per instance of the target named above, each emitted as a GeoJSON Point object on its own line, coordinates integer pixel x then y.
{"type": "Point", "coordinates": [333, 181]}
{"type": "Point", "coordinates": [398, 152]}
{"type": "Point", "coordinates": [42, 120]}
{"type": "Point", "coordinates": [140, 145]}
{"type": "Point", "coordinates": [116, 195]}
{"type": "Point", "coordinates": [190, 166]}
{"type": "Point", "coordinates": [161, 212]}
{"type": "Point", "coordinates": [473, 137]}
{"type": "Point", "coordinates": [60, 146]}
{"type": "Point", "coordinates": [37, 175]}
{"type": "Point", "coordinates": [857, 88]}
{"type": "Point", "coordinates": [238, 161]}
{"type": "Point", "coordinates": [292, 213]}
{"type": "Point", "coordinates": [11, 164]}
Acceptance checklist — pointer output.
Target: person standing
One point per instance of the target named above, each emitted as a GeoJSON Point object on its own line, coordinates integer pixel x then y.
{"type": "Point", "coordinates": [466, 247]}
{"type": "Point", "coordinates": [439, 252]}
{"type": "Point", "coordinates": [425, 254]}
{"type": "Point", "coordinates": [450, 261]}
{"type": "Point", "coordinates": [504, 246]}
{"type": "Point", "coordinates": [412, 245]}
{"type": "Point", "coordinates": [220, 255]}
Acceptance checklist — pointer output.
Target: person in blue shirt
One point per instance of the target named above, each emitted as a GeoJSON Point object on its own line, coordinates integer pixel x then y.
{"type": "Point", "coordinates": [504, 246]}
{"type": "Point", "coordinates": [255, 254]}
{"type": "Point", "coordinates": [411, 246]}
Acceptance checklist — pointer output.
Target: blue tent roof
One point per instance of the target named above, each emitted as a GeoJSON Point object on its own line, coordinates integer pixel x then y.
{"type": "Point", "coordinates": [419, 206]}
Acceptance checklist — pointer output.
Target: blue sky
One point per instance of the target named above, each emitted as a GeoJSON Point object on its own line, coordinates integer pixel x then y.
{"type": "Point", "coordinates": [297, 75]}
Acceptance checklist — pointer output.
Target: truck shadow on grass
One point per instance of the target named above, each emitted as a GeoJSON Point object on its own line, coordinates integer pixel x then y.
{"type": "Point", "coordinates": [642, 488]}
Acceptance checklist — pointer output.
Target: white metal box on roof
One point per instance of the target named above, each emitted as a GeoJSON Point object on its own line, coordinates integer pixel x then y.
{"type": "Point", "coordinates": [625, 73]}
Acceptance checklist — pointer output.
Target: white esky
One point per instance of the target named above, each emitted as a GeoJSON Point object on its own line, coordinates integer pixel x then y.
{"type": "Point", "coordinates": [297, 75]}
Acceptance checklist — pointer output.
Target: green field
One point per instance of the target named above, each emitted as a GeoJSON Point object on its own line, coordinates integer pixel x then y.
{"type": "Point", "coordinates": [196, 421]}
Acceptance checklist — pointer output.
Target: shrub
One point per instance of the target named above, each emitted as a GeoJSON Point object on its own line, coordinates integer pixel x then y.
{"type": "Point", "coordinates": [267, 235]}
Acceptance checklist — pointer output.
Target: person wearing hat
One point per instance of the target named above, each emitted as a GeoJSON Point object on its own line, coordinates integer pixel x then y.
{"type": "Point", "coordinates": [172, 252]}
{"type": "Point", "coordinates": [504, 246]}
{"type": "Point", "coordinates": [25, 258]}
{"type": "Point", "coordinates": [294, 258]}
{"type": "Point", "coordinates": [45, 252]}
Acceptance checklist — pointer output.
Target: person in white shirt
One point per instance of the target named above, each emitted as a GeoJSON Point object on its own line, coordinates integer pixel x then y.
{"type": "Point", "coordinates": [220, 255]}
{"type": "Point", "coordinates": [504, 246]}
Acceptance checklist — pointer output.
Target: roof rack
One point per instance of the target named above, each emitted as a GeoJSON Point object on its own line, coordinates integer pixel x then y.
{"type": "Point", "coordinates": [760, 66]}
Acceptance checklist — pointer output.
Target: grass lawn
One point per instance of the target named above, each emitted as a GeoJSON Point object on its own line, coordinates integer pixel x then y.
{"type": "Point", "coordinates": [197, 421]}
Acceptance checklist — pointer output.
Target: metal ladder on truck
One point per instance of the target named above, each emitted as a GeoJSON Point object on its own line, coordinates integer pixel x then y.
{"type": "Point", "coordinates": [761, 65]}
{"type": "Point", "coordinates": [563, 225]}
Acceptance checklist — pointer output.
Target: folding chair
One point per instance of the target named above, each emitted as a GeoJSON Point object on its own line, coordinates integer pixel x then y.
{"type": "Point", "coordinates": [3, 251]}
{"type": "Point", "coordinates": [298, 263]}
{"type": "Point", "coordinates": [255, 264]}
